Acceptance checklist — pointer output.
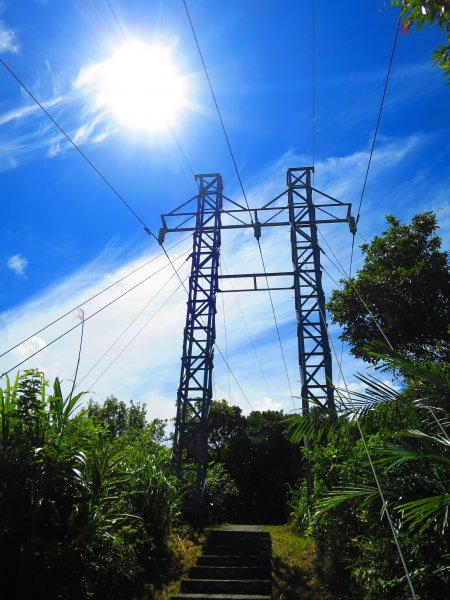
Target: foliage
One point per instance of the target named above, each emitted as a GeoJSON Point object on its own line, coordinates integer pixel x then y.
{"type": "Point", "coordinates": [221, 495]}
{"type": "Point", "coordinates": [252, 464]}
{"type": "Point", "coordinates": [225, 425]}
{"type": "Point", "coordinates": [84, 507]}
{"type": "Point", "coordinates": [117, 416]}
{"type": "Point", "coordinates": [402, 289]}
{"type": "Point", "coordinates": [429, 12]}
{"type": "Point", "coordinates": [407, 434]}
{"type": "Point", "coordinates": [264, 464]}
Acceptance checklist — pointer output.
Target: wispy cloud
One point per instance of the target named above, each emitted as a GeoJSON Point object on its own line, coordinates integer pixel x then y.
{"type": "Point", "coordinates": [20, 113]}
{"type": "Point", "coordinates": [26, 132]}
{"type": "Point", "coordinates": [8, 39]}
{"type": "Point", "coordinates": [17, 263]}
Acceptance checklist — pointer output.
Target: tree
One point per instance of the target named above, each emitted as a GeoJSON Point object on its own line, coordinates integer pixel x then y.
{"type": "Point", "coordinates": [264, 465]}
{"type": "Point", "coordinates": [253, 454]}
{"type": "Point", "coordinates": [429, 12]}
{"type": "Point", "coordinates": [225, 425]}
{"type": "Point", "coordinates": [117, 416]}
{"type": "Point", "coordinates": [405, 285]}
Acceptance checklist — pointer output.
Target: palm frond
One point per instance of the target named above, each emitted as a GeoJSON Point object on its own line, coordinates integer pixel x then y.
{"type": "Point", "coordinates": [425, 512]}
{"type": "Point", "coordinates": [338, 496]}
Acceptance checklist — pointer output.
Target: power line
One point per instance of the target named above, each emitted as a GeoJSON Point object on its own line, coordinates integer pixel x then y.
{"type": "Point", "coordinates": [375, 136]}
{"type": "Point", "coordinates": [119, 337]}
{"type": "Point", "coordinates": [233, 375]}
{"type": "Point", "coordinates": [180, 147]}
{"type": "Point", "coordinates": [339, 268]}
{"type": "Point", "coordinates": [78, 149]}
{"type": "Point", "coordinates": [355, 288]}
{"type": "Point", "coordinates": [137, 334]}
{"type": "Point", "coordinates": [91, 298]}
{"type": "Point", "coordinates": [119, 24]}
{"type": "Point", "coordinates": [226, 340]}
{"type": "Point", "coordinates": [277, 328]}
{"type": "Point", "coordinates": [248, 333]}
{"type": "Point", "coordinates": [215, 102]}
{"type": "Point", "coordinates": [241, 185]}
{"type": "Point", "coordinates": [86, 319]}
{"type": "Point", "coordinates": [313, 83]}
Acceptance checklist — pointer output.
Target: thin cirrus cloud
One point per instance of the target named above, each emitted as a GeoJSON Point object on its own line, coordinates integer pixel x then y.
{"type": "Point", "coordinates": [8, 39]}
{"type": "Point", "coordinates": [25, 132]}
{"type": "Point", "coordinates": [18, 264]}
{"type": "Point", "coordinates": [148, 369]}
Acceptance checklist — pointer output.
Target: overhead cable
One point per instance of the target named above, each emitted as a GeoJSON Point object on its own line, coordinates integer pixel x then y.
{"type": "Point", "coordinates": [86, 319]}
{"type": "Point", "coordinates": [84, 302]}
{"type": "Point", "coordinates": [78, 149]}
{"type": "Point", "coordinates": [248, 332]}
{"type": "Point", "coordinates": [241, 185]}
{"type": "Point", "coordinates": [119, 337]}
{"type": "Point", "coordinates": [371, 463]}
{"type": "Point", "coordinates": [177, 141]}
{"type": "Point", "coordinates": [136, 335]}
{"type": "Point", "coordinates": [380, 110]}
{"type": "Point", "coordinates": [233, 375]}
{"type": "Point", "coordinates": [226, 339]}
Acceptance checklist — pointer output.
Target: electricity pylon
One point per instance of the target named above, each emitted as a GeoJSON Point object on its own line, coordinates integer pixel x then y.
{"type": "Point", "coordinates": [207, 214]}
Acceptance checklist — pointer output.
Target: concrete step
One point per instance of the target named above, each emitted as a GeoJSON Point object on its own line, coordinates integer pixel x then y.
{"type": "Point", "coordinates": [240, 550]}
{"type": "Point", "coordinates": [223, 572]}
{"type": "Point", "coordinates": [227, 586]}
{"type": "Point", "coordinates": [234, 537]}
{"type": "Point", "coordinates": [234, 565]}
{"type": "Point", "coordinates": [221, 597]}
{"type": "Point", "coordinates": [215, 560]}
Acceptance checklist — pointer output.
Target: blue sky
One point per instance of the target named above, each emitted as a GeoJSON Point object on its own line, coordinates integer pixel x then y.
{"type": "Point", "coordinates": [64, 235]}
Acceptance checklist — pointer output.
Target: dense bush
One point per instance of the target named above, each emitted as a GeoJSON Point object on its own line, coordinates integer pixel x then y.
{"type": "Point", "coordinates": [252, 465]}
{"type": "Point", "coordinates": [408, 439]}
{"type": "Point", "coordinates": [84, 507]}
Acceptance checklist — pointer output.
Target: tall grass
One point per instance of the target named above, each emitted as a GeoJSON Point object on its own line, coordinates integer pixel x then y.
{"type": "Point", "coordinates": [82, 512]}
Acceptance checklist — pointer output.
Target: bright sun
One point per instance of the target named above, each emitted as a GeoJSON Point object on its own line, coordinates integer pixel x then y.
{"type": "Point", "coordinates": [140, 85]}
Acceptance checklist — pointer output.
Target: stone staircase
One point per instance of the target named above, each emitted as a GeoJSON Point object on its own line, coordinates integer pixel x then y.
{"type": "Point", "coordinates": [235, 565]}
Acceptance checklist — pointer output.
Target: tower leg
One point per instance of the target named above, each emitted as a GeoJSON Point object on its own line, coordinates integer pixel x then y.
{"type": "Point", "coordinates": [195, 388]}
{"type": "Point", "coordinates": [314, 354]}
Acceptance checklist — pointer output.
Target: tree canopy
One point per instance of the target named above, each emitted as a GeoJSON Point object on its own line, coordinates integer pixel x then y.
{"type": "Point", "coordinates": [402, 291]}
{"type": "Point", "coordinates": [429, 12]}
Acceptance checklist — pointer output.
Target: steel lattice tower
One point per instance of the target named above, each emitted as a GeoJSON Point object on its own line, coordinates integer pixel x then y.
{"type": "Point", "coordinates": [206, 220]}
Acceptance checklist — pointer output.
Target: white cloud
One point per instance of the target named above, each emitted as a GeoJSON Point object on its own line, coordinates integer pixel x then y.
{"type": "Point", "coordinates": [29, 347]}
{"type": "Point", "coordinates": [267, 404]}
{"type": "Point", "coordinates": [17, 263]}
{"type": "Point", "coordinates": [8, 39]}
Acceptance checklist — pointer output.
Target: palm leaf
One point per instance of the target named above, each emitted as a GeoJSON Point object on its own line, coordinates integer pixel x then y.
{"type": "Point", "coordinates": [338, 496]}
{"type": "Point", "coordinates": [425, 512]}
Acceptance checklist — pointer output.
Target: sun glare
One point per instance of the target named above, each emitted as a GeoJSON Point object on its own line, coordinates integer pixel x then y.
{"type": "Point", "coordinates": [140, 85]}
